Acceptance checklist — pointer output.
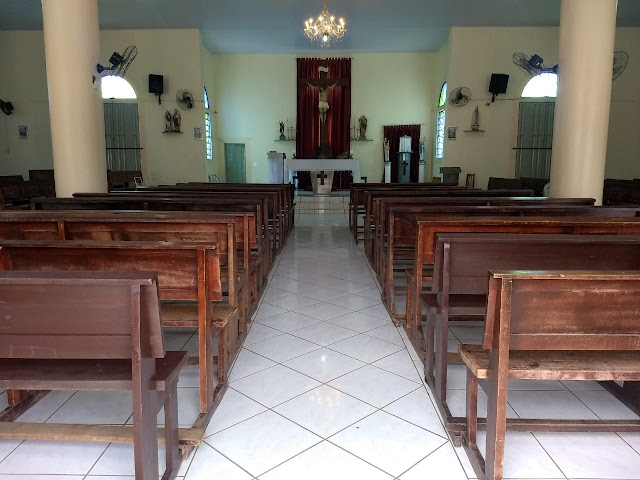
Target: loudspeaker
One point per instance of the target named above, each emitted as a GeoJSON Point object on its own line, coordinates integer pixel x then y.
{"type": "Point", "coordinates": [156, 84]}
{"type": "Point", "coordinates": [498, 83]}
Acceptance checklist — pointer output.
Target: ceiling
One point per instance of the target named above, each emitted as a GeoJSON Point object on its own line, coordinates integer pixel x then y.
{"type": "Point", "coordinates": [275, 26]}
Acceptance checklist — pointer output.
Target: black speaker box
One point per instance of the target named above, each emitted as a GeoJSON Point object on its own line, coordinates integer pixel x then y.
{"type": "Point", "coordinates": [498, 83]}
{"type": "Point", "coordinates": [156, 84]}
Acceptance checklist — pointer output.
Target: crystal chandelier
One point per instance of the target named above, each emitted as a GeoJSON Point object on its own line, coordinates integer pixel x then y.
{"type": "Point", "coordinates": [325, 30]}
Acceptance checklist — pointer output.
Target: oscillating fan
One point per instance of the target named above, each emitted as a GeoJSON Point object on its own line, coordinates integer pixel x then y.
{"type": "Point", "coordinates": [120, 63]}
{"type": "Point", "coordinates": [620, 62]}
{"type": "Point", "coordinates": [6, 107]}
{"type": "Point", "coordinates": [460, 97]}
{"type": "Point", "coordinates": [532, 65]}
{"type": "Point", "coordinates": [184, 99]}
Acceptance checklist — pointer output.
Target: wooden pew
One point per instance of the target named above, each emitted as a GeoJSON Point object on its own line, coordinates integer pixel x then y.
{"type": "Point", "coordinates": [172, 203]}
{"type": "Point", "coordinates": [278, 197]}
{"type": "Point", "coordinates": [462, 261]}
{"type": "Point", "coordinates": [286, 194]}
{"type": "Point", "coordinates": [167, 201]}
{"type": "Point", "coordinates": [386, 207]}
{"type": "Point", "coordinates": [360, 201]}
{"type": "Point", "coordinates": [400, 244]}
{"type": "Point", "coordinates": [122, 179]}
{"type": "Point", "coordinates": [220, 229]}
{"type": "Point", "coordinates": [456, 192]}
{"type": "Point", "coordinates": [573, 224]}
{"type": "Point", "coordinates": [550, 325]}
{"type": "Point", "coordinates": [186, 272]}
{"type": "Point", "coordinates": [108, 337]}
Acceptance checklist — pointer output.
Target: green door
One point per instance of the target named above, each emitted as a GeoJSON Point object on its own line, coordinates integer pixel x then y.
{"type": "Point", "coordinates": [234, 160]}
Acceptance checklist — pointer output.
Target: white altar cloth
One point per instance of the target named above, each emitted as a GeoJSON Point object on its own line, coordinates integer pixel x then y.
{"type": "Point", "coordinates": [325, 165]}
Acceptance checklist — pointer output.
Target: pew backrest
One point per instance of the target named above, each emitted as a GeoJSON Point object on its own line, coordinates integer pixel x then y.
{"type": "Point", "coordinates": [79, 315]}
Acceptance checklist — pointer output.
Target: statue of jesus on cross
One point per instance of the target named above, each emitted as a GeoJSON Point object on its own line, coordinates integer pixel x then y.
{"type": "Point", "coordinates": [323, 103]}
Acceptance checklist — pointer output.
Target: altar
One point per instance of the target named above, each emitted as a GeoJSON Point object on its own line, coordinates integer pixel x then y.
{"type": "Point", "coordinates": [326, 165]}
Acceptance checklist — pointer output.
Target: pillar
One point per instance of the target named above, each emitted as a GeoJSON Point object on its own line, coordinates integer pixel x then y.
{"type": "Point", "coordinates": [72, 49]}
{"type": "Point", "coordinates": [585, 59]}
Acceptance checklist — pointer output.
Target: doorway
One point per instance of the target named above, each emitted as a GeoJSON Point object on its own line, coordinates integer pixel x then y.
{"type": "Point", "coordinates": [535, 139]}
{"type": "Point", "coordinates": [235, 162]}
{"type": "Point", "coordinates": [122, 136]}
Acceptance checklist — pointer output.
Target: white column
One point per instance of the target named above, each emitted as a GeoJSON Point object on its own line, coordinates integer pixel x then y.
{"type": "Point", "coordinates": [72, 49]}
{"type": "Point", "coordinates": [421, 167]}
{"type": "Point", "coordinates": [585, 59]}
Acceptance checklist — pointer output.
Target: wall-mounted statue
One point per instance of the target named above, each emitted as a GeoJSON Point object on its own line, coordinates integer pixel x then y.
{"type": "Point", "coordinates": [168, 121]}
{"type": "Point", "coordinates": [177, 120]}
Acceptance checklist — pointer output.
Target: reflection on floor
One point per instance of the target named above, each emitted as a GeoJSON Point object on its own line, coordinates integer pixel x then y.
{"type": "Point", "coordinates": [326, 387]}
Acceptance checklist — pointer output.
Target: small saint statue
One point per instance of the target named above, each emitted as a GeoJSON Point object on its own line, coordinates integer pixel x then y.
{"type": "Point", "coordinates": [177, 120]}
{"type": "Point", "coordinates": [323, 103]}
{"type": "Point", "coordinates": [168, 125]}
{"type": "Point", "coordinates": [282, 137]}
{"type": "Point", "coordinates": [387, 149]}
{"type": "Point", "coordinates": [475, 120]}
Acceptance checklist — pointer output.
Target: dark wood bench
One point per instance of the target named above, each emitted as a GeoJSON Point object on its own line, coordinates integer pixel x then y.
{"type": "Point", "coordinates": [357, 200]}
{"type": "Point", "coordinates": [109, 337]}
{"type": "Point", "coordinates": [187, 272]}
{"type": "Point", "coordinates": [462, 263]}
{"type": "Point", "coordinates": [452, 192]}
{"type": "Point", "coordinates": [167, 201]}
{"type": "Point", "coordinates": [171, 203]}
{"type": "Point", "coordinates": [425, 242]}
{"type": "Point", "coordinates": [202, 227]}
{"type": "Point", "coordinates": [399, 250]}
{"type": "Point", "coordinates": [396, 208]}
{"type": "Point", "coordinates": [551, 325]}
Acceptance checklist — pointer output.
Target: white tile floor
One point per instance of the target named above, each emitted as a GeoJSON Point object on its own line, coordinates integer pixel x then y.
{"type": "Point", "coordinates": [325, 387]}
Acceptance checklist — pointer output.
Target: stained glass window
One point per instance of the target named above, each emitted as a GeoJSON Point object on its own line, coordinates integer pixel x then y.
{"type": "Point", "coordinates": [206, 100]}
{"type": "Point", "coordinates": [207, 132]}
{"type": "Point", "coordinates": [440, 126]}
{"type": "Point", "coordinates": [443, 95]}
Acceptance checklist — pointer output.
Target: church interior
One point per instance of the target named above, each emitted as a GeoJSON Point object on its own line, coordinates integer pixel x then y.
{"type": "Point", "coordinates": [319, 239]}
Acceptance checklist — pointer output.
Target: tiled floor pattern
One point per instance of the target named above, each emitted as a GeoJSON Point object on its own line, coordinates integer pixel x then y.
{"type": "Point", "coordinates": [326, 388]}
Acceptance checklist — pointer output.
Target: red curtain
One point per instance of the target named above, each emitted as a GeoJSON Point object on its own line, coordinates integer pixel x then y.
{"type": "Point", "coordinates": [393, 134]}
{"type": "Point", "coordinates": [307, 122]}
{"type": "Point", "coordinates": [338, 115]}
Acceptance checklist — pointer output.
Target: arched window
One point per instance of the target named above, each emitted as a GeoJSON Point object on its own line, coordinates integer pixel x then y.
{"type": "Point", "coordinates": [543, 85]}
{"type": "Point", "coordinates": [116, 87]}
{"type": "Point", "coordinates": [441, 121]}
{"type": "Point", "coordinates": [207, 127]}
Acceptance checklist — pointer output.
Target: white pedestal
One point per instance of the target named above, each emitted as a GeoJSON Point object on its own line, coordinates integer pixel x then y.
{"type": "Point", "coordinates": [387, 172]}
{"type": "Point", "coordinates": [421, 166]}
{"type": "Point", "coordinates": [317, 185]}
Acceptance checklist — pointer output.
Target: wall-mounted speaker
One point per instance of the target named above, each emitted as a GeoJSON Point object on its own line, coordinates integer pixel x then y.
{"type": "Point", "coordinates": [498, 84]}
{"type": "Point", "coordinates": [156, 84]}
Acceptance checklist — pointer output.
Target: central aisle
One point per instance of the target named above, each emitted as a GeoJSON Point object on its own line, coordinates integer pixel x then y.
{"type": "Point", "coordinates": [325, 387]}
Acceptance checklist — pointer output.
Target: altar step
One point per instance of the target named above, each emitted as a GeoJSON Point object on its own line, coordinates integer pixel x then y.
{"type": "Point", "coordinates": [308, 204]}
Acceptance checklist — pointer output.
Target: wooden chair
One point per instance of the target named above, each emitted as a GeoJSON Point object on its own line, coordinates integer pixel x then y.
{"type": "Point", "coordinates": [102, 332]}
{"type": "Point", "coordinates": [550, 325]}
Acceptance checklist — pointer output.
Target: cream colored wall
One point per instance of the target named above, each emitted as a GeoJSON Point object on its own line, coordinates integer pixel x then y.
{"type": "Point", "coordinates": [254, 92]}
{"type": "Point", "coordinates": [476, 52]}
{"type": "Point", "coordinates": [166, 158]}
{"type": "Point", "coordinates": [623, 151]}
{"type": "Point", "coordinates": [23, 82]}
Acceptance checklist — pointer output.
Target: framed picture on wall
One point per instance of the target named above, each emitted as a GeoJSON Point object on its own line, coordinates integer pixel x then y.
{"type": "Point", "coordinates": [452, 133]}
{"type": "Point", "coordinates": [23, 132]}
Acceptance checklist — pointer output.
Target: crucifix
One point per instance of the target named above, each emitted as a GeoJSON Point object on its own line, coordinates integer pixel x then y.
{"type": "Point", "coordinates": [404, 167]}
{"type": "Point", "coordinates": [322, 176]}
{"type": "Point", "coordinates": [323, 85]}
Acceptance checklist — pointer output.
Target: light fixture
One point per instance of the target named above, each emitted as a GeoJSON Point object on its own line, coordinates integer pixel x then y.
{"type": "Point", "coordinates": [325, 30]}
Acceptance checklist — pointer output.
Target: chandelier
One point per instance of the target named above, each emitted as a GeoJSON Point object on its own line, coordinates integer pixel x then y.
{"type": "Point", "coordinates": [324, 30]}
